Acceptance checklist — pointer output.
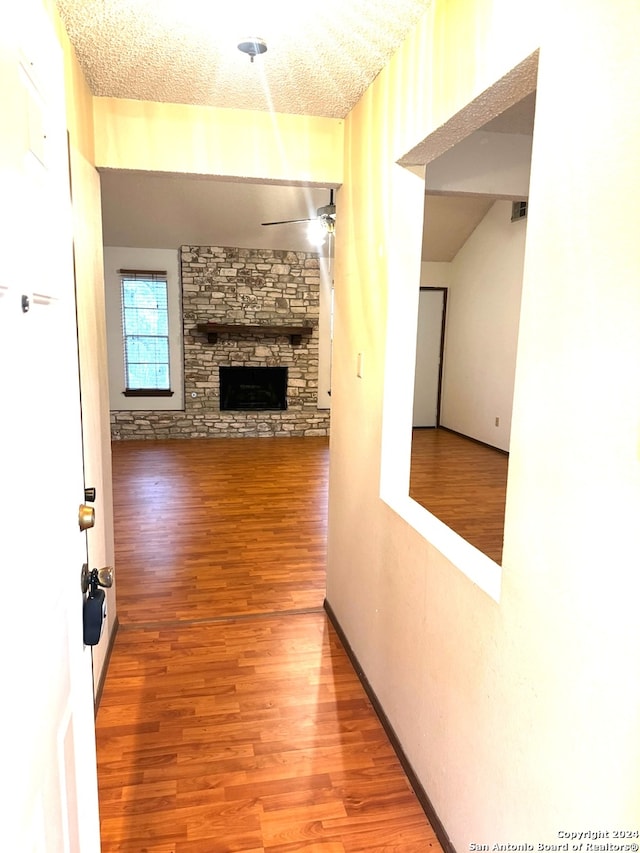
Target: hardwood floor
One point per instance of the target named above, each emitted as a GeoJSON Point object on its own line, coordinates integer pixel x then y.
{"type": "Point", "coordinates": [462, 483]}
{"type": "Point", "coordinates": [231, 718]}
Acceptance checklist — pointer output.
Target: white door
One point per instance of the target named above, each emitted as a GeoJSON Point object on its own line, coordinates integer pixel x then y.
{"type": "Point", "coordinates": [48, 791]}
{"type": "Point", "coordinates": [428, 355]}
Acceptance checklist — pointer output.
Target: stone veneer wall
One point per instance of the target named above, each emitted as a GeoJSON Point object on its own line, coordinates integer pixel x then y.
{"type": "Point", "coordinates": [254, 287]}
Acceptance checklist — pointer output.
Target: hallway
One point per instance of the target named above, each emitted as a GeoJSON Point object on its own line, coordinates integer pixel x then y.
{"type": "Point", "coordinates": [231, 718]}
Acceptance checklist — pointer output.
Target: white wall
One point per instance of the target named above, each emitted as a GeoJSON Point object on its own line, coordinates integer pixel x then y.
{"type": "Point", "coordinates": [483, 313]}
{"type": "Point", "coordinates": [435, 274]}
{"type": "Point", "coordinates": [324, 332]}
{"type": "Point", "coordinates": [491, 164]}
{"type": "Point", "coordinates": [116, 258]}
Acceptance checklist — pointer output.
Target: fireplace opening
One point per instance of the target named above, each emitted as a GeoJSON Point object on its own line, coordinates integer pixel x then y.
{"type": "Point", "coordinates": [254, 388]}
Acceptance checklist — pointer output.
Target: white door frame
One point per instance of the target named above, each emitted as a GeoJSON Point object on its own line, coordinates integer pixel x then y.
{"type": "Point", "coordinates": [427, 399]}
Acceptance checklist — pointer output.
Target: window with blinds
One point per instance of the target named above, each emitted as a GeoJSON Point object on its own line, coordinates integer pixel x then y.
{"type": "Point", "coordinates": [145, 326]}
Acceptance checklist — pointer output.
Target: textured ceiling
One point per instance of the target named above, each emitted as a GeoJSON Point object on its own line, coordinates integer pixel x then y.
{"type": "Point", "coordinates": [321, 55]}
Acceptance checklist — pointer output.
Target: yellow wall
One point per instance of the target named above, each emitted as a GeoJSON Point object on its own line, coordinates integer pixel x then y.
{"type": "Point", "coordinates": [204, 140]}
{"type": "Point", "coordinates": [520, 715]}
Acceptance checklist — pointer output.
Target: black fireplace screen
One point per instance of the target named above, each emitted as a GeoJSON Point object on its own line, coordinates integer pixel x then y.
{"type": "Point", "coordinates": [253, 388]}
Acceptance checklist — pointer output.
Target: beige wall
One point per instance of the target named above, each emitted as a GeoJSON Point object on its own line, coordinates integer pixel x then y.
{"type": "Point", "coordinates": [518, 709]}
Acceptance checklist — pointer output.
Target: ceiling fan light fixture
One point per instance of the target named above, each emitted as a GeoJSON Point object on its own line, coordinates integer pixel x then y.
{"type": "Point", "coordinates": [316, 233]}
{"type": "Point", "coordinates": [328, 222]}
{"type": "Point", "coordinates": [253, 46]}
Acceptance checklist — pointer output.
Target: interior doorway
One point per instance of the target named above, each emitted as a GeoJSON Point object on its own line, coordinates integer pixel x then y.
{"type": "Point", "coordinates": [432, 308]}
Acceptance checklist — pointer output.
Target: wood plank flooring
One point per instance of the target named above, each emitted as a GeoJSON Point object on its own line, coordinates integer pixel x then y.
{"type": "Point", "coordinates": [462, 483]}
{"type": "Point", "coordinates": [231, 718]}
{"type": "Point", "coordinates": [250, 735]}
{"type": "Point", "coordinates": [219, 527]}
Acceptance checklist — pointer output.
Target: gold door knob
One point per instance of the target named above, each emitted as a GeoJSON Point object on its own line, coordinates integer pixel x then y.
{"type": "Point", "coordinates": [104, 576]}
{"type": "Point", "coordinates": [86, 517]}
{"type": "Point", "coordinates": [95, 578]}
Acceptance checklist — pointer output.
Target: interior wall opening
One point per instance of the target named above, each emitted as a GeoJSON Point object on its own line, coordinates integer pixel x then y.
{"type": "Point", "coordinates": [472, 262]}
{"type": "Point", "coordinates": [148, 216]}
{"type": "Point", "coordinates": [421, 169]}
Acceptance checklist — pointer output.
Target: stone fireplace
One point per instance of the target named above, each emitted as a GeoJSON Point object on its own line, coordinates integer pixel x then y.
{"type": "Point", "coordinates": [251, 309]}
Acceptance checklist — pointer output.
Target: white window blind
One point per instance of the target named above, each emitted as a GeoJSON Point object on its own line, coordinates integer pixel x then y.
{"type": "Point", "coordinates": [145, 326]}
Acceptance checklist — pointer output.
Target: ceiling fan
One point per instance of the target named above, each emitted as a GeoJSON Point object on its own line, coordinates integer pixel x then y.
{"type": "Point", "coordinates": [326, 216]}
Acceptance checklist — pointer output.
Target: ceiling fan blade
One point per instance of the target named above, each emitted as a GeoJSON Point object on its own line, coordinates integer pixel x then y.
{"type": "Point", "coordinates": [329, 210]}
{"type": "Point", "coordinates": [286, 222]}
